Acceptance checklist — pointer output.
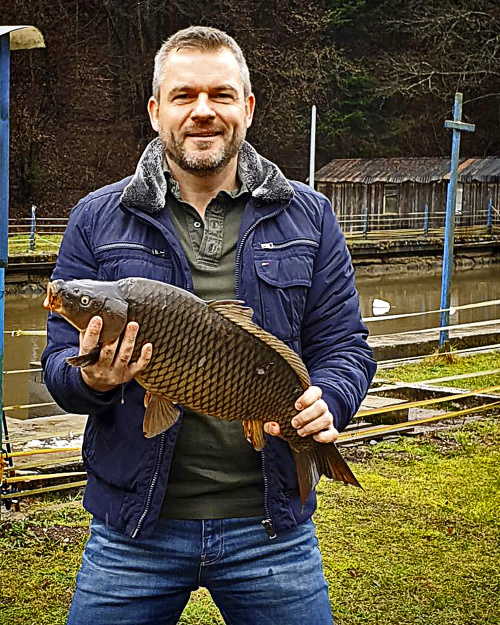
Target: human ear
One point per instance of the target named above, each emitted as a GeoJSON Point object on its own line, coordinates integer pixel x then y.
{"type": "Point", "coordinates": [249, 109]}
{"type": "Point", "coordinates": [153, 110]}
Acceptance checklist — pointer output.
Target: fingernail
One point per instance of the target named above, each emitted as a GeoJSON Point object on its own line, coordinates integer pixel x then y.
{"type": "Point", "coordinates": [295, 423]}
{"type": "Point", "coordinates": [298, 406]}
{"type": "Point", "coordinates": [301, 432]}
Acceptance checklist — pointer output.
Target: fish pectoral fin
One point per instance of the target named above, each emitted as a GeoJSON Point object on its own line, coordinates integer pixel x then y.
{"type": "Point", "coordinates": [84, 360]}
{"type": "Point", "coordinates": [324, 459]}
{"type": "Point", "coordinates": [254, 433]}
{"type": "Point", "coordinates": [161, 413]}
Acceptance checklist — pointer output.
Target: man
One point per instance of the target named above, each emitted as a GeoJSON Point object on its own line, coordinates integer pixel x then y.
{"type": "Point", "coordinates": [197, 505]}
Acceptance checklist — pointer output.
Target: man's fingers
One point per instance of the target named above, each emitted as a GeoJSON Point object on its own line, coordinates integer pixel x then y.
{"type": "Point", "coordinates": [273, 428]}
{"type": "Point", "coordinates": [90, 337]}
{"type": "Point", "coordinates": [310, 413]}
{"type": "Point", "coordinates": [326, 436]}
{"type": "Point", "coordinates": [314, 418]}
{"type": "Point", "coordinates": [108, 352]}
{"type": "Point", "coordinates": [142, 362]}
{"type": "Point", "coordinates": [323, 422]}
{"type": "Point", "coordinates": [127, 345]}
{"type": "Point", "coordinates": [312, 394]}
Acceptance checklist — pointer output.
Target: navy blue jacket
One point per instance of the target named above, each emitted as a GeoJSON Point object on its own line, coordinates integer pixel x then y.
{"type": "Point", "coordinates": [292, 268]}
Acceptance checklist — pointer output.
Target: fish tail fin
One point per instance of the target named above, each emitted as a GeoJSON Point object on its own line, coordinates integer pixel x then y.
{"type": "Point", "coordinates": [84, 360]}
{"type": "Point", "coordinates": [323, 459]}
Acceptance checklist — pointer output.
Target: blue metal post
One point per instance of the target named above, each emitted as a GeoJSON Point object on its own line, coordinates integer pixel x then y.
{"type": "Point", "coordinates": [312, 148]}
{"type": "Point", "coordinates": [4, 191]}
{"type": "Point", "coordinates": [365, 221]}
{"type": "Point", "coordinates": [490, 207]}
{"type": "Point", "coordinates": [426, 221]}
{"type": "Point", "coordinates": [451, 201]}
{"type": "Point", "coordinates": [33, 228]}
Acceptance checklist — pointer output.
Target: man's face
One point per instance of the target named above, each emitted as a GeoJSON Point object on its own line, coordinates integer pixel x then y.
{"type": "Point", "coordinates": [202, 115]}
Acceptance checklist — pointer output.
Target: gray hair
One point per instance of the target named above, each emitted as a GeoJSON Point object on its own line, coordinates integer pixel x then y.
{"type": "Point", "coordinates": [201, 38]}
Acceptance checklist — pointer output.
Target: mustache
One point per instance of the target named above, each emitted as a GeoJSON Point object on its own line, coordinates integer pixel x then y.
{"type": "Point", "coordinates": [201, 128]}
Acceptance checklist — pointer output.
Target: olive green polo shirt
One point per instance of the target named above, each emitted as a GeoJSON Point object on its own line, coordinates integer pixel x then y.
{"type": "Point", "coordinates": [215, 472]}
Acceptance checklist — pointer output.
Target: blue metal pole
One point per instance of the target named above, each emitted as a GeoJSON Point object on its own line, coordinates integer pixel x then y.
{"type": "Point", "coordinates": [312, 148]}
{"type": "Point", "coordinates": [449, 237]}
{"type": "Point", "coordinates": [4, 191]}
{"type": "Point", "coordinates": [33, 228]}
{"type": "Point", "coordinates": [490, 210]}
{"type": "Point", "coordinates": [426, 221]}
{"type": "Point", "coordinates": [365, 221]}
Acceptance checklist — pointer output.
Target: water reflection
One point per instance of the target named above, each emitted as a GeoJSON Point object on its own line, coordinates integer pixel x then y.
{"type": "Point", "coordinates": [413, 293]}
{"type": "Point", "coordinates": [22, 312]}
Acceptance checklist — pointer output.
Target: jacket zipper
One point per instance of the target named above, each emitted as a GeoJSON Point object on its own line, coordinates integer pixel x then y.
{"type": "Point", "coordinates": [132, 246]}
{"type": "Point", "coordinates": [239, 252]}
{"type": "Point", "coordinates": [267, 522]}
{"type": "Point", "coordinates": [280, 246]}
{"type": "Point", "coordinates": [151, 486]}
{"type": "Point", "coordinates": [161, 448]}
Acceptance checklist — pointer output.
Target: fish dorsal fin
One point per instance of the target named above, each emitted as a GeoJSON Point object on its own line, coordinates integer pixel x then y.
{"type": "Point", "coordinates": [232, 309]}
{"type": "Point", "coordinates": [242, 316]}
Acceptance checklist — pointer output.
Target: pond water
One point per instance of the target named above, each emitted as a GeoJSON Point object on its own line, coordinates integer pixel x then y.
{"type": "Point", "coordinates": [411, 293]}
{"type": "Point", "coordinates": [419, 293]}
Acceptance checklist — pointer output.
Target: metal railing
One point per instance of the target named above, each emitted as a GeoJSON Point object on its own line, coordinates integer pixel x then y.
{"type": "Point", "coordinates": [425, 223]}
{"type": "Point", "coordinates": [26, 232]}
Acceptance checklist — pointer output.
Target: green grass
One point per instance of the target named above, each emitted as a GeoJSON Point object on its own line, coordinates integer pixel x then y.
{"type": "Point", "coordinates": [418, 545]}
{"type": "Point", "coordinates": [436, 367]}
{"type": "Point", "coordinates": [20, 243]}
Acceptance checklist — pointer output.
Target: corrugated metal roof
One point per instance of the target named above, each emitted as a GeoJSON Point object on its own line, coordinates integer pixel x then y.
{"type": "Point", "coordinates": [397, 170]}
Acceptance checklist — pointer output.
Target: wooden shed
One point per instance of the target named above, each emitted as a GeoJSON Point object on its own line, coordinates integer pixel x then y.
{"type": "Point", "coordinates": [393, 192]}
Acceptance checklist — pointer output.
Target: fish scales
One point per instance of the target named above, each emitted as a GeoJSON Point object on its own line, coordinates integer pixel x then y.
{"type": "Point", "coordinates": [228, 373]}
{"type": "Point", "coordinates": [209, 357]}
{"type": "Point", "coordinates": [228, 378]}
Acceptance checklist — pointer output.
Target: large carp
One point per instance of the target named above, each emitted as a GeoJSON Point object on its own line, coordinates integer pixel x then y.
{"type": "Point", "coordinates": [207, 356]}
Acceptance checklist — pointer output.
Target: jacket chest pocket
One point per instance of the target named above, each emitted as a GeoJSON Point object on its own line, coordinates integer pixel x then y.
{"type": "Point", "coordinates": [126, 259]}
{"type": "Point", "coordinates": [284, 278]}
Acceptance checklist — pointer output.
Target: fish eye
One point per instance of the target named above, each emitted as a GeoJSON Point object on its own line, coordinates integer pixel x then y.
{"type": "Point", "coordinates": [84, 300]}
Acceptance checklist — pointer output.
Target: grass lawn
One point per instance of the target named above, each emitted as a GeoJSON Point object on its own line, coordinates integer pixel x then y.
{"type": "Point", "coordinates": [437, 367]}
{"type": "Point", "coordinates": [420, 544]}
{"type": "Point", "coordinates": [20, 243]}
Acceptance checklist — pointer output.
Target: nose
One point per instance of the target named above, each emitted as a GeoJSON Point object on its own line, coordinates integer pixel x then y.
{"type": "Point", "coordinates": [202, 108]}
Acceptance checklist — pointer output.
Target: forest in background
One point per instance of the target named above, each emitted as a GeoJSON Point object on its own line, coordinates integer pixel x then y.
{"type": "Point", "coordinates": [382, 73]}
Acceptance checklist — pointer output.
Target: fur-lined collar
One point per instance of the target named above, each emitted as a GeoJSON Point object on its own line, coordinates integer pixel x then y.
{"type": "Point", "coordinates": [148, 187]}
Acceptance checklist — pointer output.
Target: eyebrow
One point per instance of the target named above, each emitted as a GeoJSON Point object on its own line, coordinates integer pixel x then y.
{"type": "Point", "coordinates": [181, 88]}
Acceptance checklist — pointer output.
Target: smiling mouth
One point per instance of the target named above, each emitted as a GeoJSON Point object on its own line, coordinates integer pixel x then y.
{"type": "Point", "coordinates": [203, 135]}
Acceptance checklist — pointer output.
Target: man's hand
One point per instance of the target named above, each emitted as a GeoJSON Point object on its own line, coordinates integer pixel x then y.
{"type": "Point", "coordinates": [313, 419]}
{"type": "Point", "coordinates": [113, 367]}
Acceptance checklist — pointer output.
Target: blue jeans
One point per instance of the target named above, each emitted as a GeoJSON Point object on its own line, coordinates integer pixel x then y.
{"type": "Point", "coordinates": [252, 579]}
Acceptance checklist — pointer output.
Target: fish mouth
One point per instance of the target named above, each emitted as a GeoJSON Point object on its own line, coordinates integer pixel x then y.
{"type": "Point", "coordinates": [52, 299]}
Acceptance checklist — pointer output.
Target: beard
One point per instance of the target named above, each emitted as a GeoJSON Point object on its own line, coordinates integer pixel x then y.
{"type": "Point", "coordinates": [205, 161]}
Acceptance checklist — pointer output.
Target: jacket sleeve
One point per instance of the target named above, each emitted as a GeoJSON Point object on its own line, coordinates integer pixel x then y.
{"type": "Point", "coordinates": [333, 336]}
{"type": "Point", "coordinates": [65, 383]}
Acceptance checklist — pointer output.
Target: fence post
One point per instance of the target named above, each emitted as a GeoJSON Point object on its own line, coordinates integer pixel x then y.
{"type": "Point", "coordinates": [426, 221]}
{"type": "Point", "coordinates": [33, 228]}
{"type": "Point", "coordinates": [365, 221]}
{"type": "Point", "coordinates": [490, 206]}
